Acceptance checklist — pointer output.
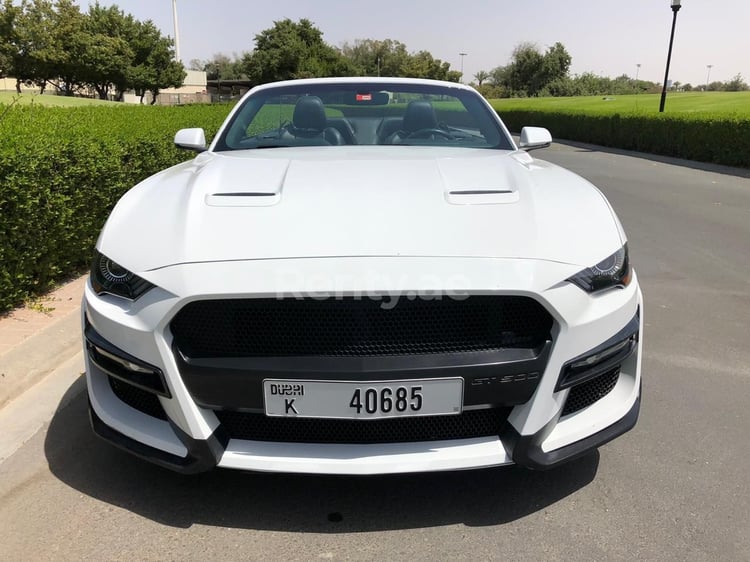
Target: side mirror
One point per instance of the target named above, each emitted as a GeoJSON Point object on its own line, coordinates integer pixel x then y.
{"type": "Point", "coordinates": [191, 139]}
{"type": "Point", "coordinates": [534, 137]}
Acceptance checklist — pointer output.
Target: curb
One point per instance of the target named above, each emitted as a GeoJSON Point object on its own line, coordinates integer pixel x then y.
{"type": "Point", "coordinates": [22, 418]}
{"type": "Point", "coordinates": [39, 355]}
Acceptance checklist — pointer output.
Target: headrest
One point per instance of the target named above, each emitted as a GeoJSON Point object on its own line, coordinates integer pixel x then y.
{"type": "Point", "coordinates": [419, 115]}
{"type": "Point", "coordinates": [309, 113]}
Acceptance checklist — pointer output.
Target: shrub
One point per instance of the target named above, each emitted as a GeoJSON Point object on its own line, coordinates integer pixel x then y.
{"type": "Point", "coordinates": [61, 172]}
{"type": "Point", "coordinates": [716, 138]}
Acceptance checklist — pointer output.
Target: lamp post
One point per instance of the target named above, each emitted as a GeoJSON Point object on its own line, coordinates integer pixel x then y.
{"type": "Point", "coordinates": [637, 71]}
{"type": "Point", "coordinates": [462, 55]}
{"type": "Point", "coordinates": [708, 74]}
{"type": "Point", "coordinates": [176, 32]}
{"type": "Point", "coordinates": [675, 8]}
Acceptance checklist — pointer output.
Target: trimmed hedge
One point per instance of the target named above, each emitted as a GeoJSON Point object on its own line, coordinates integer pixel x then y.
{"type": "Point", "coordinates": [61, 172]}
{"type": "Point", "coordinates": [716, 138]}
{"type": "Point", "coordinates": [63, 169]}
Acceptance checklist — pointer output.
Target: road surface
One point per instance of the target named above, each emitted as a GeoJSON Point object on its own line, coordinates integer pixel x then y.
{"type": "Point", "coordinates": [675, 488]}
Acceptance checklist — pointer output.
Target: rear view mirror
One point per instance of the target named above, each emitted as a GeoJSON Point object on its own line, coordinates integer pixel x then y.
{"type": "Point", "coordinates": [191, 139]}
{"type": "Point", "coordinates": [534, 137]}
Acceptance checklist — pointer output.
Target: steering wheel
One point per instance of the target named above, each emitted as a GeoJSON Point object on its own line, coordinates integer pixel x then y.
{"type": "Point", "coordinates": [424, 133]}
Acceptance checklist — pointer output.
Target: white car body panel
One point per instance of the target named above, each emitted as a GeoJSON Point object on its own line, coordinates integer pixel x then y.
{"type": "Point", "coordinates": [408, 187]}
{"type": "Point", "coordinates": [370, 222]}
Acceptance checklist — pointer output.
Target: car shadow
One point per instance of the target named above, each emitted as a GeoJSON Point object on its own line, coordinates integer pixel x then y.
{"type": "Point", "coordinates": [299, 503]}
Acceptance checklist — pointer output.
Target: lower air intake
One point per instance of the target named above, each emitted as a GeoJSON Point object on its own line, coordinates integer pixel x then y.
{"type": "Point", "coordinates": [258, 427]}
{"type": "Point", "coordinates": [145, 402]}
{"type": "Point", "coordinates": [583, 395]}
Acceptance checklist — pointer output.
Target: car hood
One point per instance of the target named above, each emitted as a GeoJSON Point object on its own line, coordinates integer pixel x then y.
{"type": "Point", "coordinates": [360, 201]}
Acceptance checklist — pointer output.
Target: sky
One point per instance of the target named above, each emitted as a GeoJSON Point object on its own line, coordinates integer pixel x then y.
{"type": "Point", "coordinates": [608, 37]}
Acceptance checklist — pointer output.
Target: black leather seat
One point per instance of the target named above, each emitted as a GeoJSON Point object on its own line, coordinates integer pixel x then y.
{"type": "Point", "coordinates": [419, 116]}
{"type": "Point", "coordinates": [309, 122]}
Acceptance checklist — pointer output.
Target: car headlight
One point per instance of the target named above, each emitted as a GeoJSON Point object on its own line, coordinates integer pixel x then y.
{"type": "Point", "coordinates": [611, 272]}
{"type": "Point", "coordinates": [111, 278]}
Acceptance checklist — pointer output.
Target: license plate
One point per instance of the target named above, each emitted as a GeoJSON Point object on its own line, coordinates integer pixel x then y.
{"type": "Point", "coordinates": [363, 400]}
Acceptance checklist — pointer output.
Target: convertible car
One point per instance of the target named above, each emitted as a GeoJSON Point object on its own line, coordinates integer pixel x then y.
{"type": "Point", "coordinates": [362, 276]}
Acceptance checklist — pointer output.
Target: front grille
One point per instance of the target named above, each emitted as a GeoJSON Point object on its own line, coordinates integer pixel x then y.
{"type": "Point", "coordinates": [258, 427]}
{"type": "Point", "coordinates": [138, 399]}
{"type": "Point", "coordinates": [585, 394]}
{"type": "Point", "coordinates": [351, 327]}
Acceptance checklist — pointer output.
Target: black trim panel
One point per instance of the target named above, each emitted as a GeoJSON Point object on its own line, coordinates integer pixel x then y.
{"type": "Point", "coordinates": [154, 382]}
{"type": "Point", "coordinates": [526, 450]}
{"type": "Point", "coordinates": [503, 378]}
{"type": "Point", "coordinates": [632, 328]}
{"type": "Point", "coordinates": [202, 455]}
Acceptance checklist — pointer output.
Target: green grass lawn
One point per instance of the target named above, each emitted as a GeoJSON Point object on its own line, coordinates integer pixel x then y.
{"type": "Point", "coordinates": [677, 102]}
{"type": "Point", "coordinates": [7, 98]}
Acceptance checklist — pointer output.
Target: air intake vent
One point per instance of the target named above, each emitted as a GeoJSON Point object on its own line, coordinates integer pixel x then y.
{"type": "Point", "coordinates": [352, 327]}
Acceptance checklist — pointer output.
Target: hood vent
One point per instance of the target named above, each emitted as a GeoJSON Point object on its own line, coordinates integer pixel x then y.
{"type": "Point", "coordinates": [480, 192]}
{"type": "Point", "coordinates": [243, 199]}
{"type": "Point", "coordinates": [481, 196]}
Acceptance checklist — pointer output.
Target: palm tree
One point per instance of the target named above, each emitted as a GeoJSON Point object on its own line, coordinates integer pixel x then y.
{"type": "Point", "coordinates": [481, 76]}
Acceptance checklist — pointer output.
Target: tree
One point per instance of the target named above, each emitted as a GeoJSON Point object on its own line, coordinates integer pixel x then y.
{"type": "Point", "coordinates": [29, 41]}
{"type": "Point", "coordinates": [522, 74]}
{"type": "Point", "coordinates": [107, 56]}
{"type": "Point", "coordinates": [9, 15]}
{"type": "Point", "coordinates": [424, 65]}
{"type": "Point", "coordinates": [481, 77]}
{"type": "Point", "coordinates": [220, 67]}
{"type": "Point", "coordinates": [293, 50]}
{"type": "Point", "coordinates": [165, 72]}
{"type": "Point", "coordinates": [372, 57]}
{"type": "Point", "coordinates": [59, 62]}
{"type": "Point", "coordinates": [153, 67]}
{"type": "Point", "coordinates": [555, 64]}
{"type": "Point", "coordinates": [736, 84]}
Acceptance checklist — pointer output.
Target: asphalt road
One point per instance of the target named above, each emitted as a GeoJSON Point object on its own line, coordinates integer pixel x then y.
{"type": "Point", "coordinates": [675, 488]}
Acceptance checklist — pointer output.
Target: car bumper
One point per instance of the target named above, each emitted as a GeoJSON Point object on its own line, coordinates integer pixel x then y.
{"type": "Point", "coordinates": [538, 433]}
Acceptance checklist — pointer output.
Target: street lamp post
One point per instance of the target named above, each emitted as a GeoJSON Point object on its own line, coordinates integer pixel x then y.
{"type": "Point", "coordinates": [637, 72]}
{"type": "Point", "coordinates": [462, 55]}
{"type": "Point", "coordinates": [708, 74]}
{"type": "Point", "coordinates": [675, 8]}
{"type": "Point", "coordinates": [176, 32]}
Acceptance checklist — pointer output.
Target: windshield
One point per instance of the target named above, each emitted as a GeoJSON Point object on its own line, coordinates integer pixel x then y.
{"type": "Point", "coordinates": [379, 113]}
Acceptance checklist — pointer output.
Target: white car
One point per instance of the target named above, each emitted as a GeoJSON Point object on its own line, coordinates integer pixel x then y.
{"type": "Point", "coordinates": [362, 276]}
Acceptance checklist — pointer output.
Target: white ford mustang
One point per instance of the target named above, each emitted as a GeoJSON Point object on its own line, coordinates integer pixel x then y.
{"type": "Point", "coordinates": [362, 276]}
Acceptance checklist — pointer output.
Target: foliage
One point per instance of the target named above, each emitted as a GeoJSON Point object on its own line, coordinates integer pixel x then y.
{"type": "Point", "coordinates": [293, 50]}
{"type": "Point", "coordinates": [721, 138]}
{"type": "Point", "coordinates": [104, 49]}
{"type": "Point", "coordinates": [481, 76]}
{"type": "Point", "coordinates": [372, 57]}
{"type": "Point", "coordinates": [63, 169]}
{"type": "Point", "coordinates": [220, 67]}
{"type": "Point", "coordinates": [736, 84]}
{"type": "Point", "coordinates": [530, 71]}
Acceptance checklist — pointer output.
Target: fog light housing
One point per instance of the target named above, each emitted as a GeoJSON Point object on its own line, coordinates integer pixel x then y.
{"type": "Point", "coordinates": [602, 358]}
{"type": "Point", "coordinates": [123, 366]}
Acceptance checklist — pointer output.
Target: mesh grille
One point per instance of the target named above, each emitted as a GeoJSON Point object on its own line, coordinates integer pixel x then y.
{"type": "Point", "coordinates": [585, 394]}
{"type": "Point", "coordinates": [138, 399]}
{"type": "Point", "coordinates": [258, 427]}
{"type": "Point", "coordinates": [358, 327]}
